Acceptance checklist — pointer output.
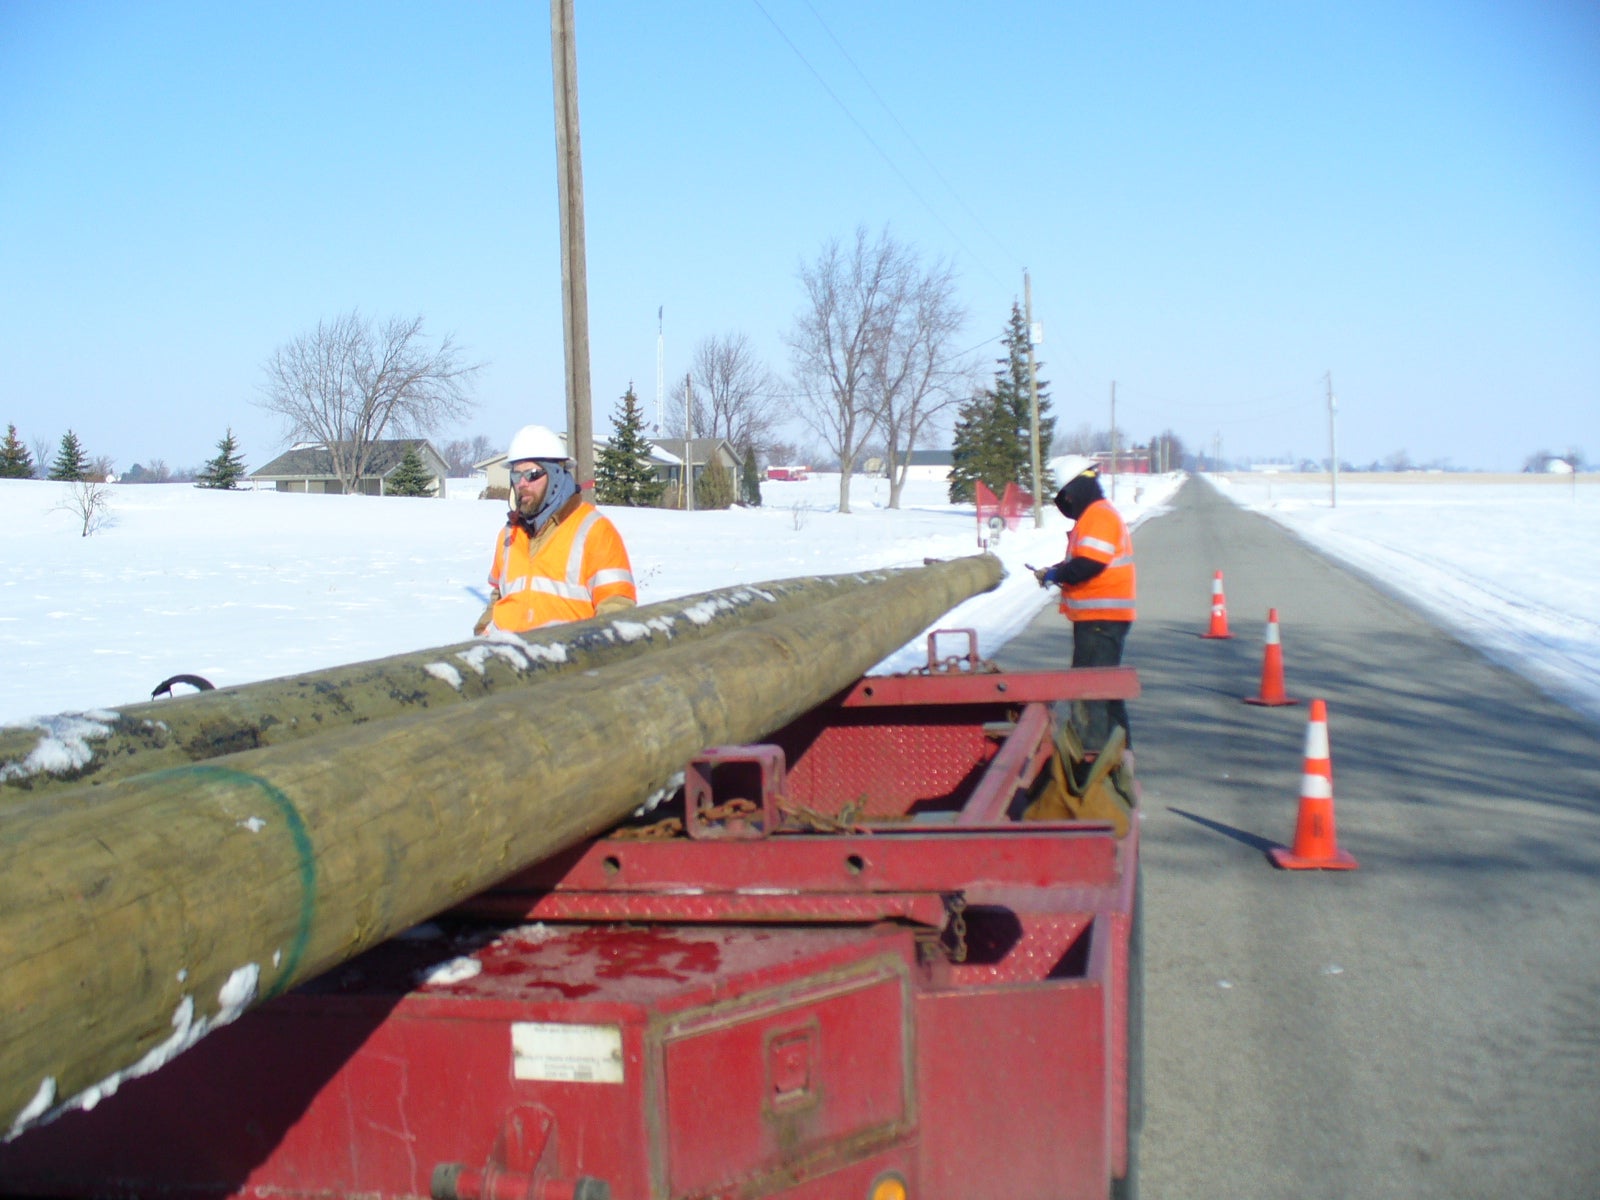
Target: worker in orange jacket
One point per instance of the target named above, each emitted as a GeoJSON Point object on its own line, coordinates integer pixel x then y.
{"type": "Point", "coordinates": [558, 559]}
{"type": "Point", "coordinates": [1098, 591]}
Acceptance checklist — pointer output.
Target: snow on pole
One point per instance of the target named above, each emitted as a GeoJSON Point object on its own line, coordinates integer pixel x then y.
{"type": "Point", "coordinates": [61, 751]}
{"type": "Point", "coordinates": [140, 914]}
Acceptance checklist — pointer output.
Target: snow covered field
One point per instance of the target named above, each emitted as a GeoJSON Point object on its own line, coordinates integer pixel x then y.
{"type": "Point", "coordinates": [243, 586]}
{"type": "Point", "coordinates": [251, 585]}
{"type": "Point", "coordinates": [1511, 564]}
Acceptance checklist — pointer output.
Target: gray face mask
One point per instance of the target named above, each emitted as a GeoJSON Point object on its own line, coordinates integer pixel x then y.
{"type": "Point", "coordinates": [561, 488]}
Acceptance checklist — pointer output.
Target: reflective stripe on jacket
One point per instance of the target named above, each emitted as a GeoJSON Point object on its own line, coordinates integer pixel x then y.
{"type": "Point", "coordinates": [575, 568]}
{"type": "Point", "coordinates": [1100, 534]}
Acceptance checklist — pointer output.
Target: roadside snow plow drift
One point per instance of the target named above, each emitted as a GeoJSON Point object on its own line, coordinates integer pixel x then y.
{"type": "Point", "coordinates": [883, 944]}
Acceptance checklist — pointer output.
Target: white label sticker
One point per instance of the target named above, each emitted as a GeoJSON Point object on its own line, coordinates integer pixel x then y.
{"type": "Point", "coordinates": [566, 1053]}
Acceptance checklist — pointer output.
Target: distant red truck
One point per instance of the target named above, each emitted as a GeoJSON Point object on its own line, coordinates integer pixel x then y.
{"type": "Point", "coordinates": [789, 474]}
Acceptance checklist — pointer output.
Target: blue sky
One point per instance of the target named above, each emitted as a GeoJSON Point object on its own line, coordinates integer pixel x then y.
{"type": "Point", "coordinates": [1217, 203]}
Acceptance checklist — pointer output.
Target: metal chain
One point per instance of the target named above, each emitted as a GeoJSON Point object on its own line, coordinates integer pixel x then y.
{"type": "Point", "coordinates": [956, 905]}
{"type": "Point", "coordinates": [845, 821]}
{"type": "Point", "coordinates": [958, 664]}
{"type": "Point", "coordinates": [669, 827]}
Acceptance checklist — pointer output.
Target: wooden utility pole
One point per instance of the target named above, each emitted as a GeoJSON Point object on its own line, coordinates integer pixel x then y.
{"type": "Point", "coordinates": [661, 365]}
{"type": "Point", "coordinates": [175, 732]}
{"type": "Point", "coordinates": [1333, 446]}
{"type": "Point", "coordinates": [141, 913]}
{"type": "Point", "coordinates": [1113, 439]}
{"type": "Point", "coordinates": [1033, 404]}
{"type": "Point", "coordinates": [574, 271]}
{"type": "Point", "coordinates": [688, 442]}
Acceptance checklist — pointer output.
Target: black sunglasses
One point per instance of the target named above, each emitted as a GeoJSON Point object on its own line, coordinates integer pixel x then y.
{"type": "Point", "coordinates": [531, 475]}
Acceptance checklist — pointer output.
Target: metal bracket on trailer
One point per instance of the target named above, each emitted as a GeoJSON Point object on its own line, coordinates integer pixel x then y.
{"type": "Point", "coordinates": [956, 662]}
{"type": "Point", "coordinates": [711, 813]}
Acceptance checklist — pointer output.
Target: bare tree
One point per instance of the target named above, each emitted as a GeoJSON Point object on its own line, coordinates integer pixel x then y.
{"type": "Point", "coordinates": [90, 501]}
{"type": "Point", "coordinates": [349, 384]}
{"type": "Point", "coordinates": [684, 419]}
{"type": "Point", "coordinates": [43, 450]}
{"type": "Point", "coordinates": [156, 472]}
{"type": "Point", "coordinates": [913, 375]}
{"type": "Point", "coordinates": [1398, 462]}
{"type": "Point", "coordinates": [734, 393]}
{"type": "Point", "coordinates": [784, 454]}
{"type": "Point", "coordinates": [1085, 439]}
{"type": "Point", "coordinates": [462, 454]}
{"type": "Point", "coordinates": [837, 338]}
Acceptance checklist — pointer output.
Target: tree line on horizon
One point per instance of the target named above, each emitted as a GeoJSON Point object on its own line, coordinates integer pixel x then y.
{"type": "Point", "coordinates": [875, 373]}
{"type": "Point", "coordinates": [72, 464]}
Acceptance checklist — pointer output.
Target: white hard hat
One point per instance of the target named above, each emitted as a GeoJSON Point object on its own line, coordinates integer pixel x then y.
{"type": "Point", "coordinates": [536, 441]}
{"type": "Point", "coordinates": [1070, 466]}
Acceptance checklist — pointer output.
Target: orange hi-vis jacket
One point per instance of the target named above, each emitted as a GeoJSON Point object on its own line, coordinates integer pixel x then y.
{"type": "Point", "coordinates": [576, 568]}
{"type": "Point", "coordinates": [1101, 534]}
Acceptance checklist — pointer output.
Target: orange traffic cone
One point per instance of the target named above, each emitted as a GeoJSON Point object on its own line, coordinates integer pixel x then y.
{"type": "Point", "coordinates": [1272, 692]}
{"type": "Point", "coordinates": [1219, 611]}
{"type": "Point", "coordinates": [1316, 844]}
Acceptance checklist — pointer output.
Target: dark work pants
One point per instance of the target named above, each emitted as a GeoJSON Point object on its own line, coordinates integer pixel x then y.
{"type": "Point", "coordinates": [1099, 644]}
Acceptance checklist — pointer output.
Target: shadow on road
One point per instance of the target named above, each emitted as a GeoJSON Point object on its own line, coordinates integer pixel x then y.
{"type": "Point", "coordinates": [1239, 835]}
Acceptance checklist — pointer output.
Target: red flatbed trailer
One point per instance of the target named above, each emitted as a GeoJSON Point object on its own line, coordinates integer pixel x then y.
{"type": "Point", "coordinates": [858, 975]}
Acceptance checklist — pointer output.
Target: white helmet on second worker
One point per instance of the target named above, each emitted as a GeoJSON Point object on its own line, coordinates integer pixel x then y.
{"type": "Point", "coordinates": [1069, 466]}
{"type": "Point", "coordinates": [536, 441]}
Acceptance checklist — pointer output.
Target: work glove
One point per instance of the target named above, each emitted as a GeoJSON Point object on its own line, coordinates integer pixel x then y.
{"type": "Point", "coordinates": [1044, 576]}
{"type": "Point", "coordinates": [487, 618]}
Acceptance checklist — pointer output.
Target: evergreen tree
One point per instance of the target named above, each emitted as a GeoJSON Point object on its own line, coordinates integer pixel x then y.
{"type": "Point", "coordinates": [714, 487]}
{"type": "Point", "coordinates": [226, 469]}
{"type": "Point", "coordinates": [622, 470]}
{"type": "Point", "coordinates": [750, 480]}
{"type": "Point", "coordinates": [71, 463]}
{"type": "Point", "coordinates": [410, 478]}
{"type": "Point", "coordinates": [983, 448]}
{"type": "Point", "coordinates": [15, 461]}
{"type": "Point", "coordinates": [1013, 399]}
{"type": "Point", "coordinates": [965, 448]}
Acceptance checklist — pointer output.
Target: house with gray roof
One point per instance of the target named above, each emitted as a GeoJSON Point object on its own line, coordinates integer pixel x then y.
{"type": "Point", "coordinates": [309, 468]}
{"type": "Point", "coordinates": [666, 460]}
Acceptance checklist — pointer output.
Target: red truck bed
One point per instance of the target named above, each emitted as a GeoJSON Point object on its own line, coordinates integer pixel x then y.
{"type": "Point", "coordinates": [859, 975]}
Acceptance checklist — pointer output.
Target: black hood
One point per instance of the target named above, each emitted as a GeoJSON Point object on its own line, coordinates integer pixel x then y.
{"type": "Point", "coordinates": [1077, 494]}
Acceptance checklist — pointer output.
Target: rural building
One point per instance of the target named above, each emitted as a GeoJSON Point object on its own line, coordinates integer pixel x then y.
{"type": "Point", "coordinates": [931, 465]}
{"type": "Point", "coordinates": [309, 468]}
{"type": "Point", "coordinates": [1135, 460]}
{"type": "Point", "coordinates": [700, 453]}
{"type": "Point", "coordinates": [666, 459]}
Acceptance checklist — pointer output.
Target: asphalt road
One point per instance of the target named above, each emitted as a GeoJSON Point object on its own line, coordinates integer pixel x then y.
{"type": "Point", "coordinates": [1425, 1026]}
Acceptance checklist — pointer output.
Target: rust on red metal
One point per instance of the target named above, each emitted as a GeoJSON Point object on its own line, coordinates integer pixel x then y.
{"type": "Point", "coordinates": [968, 661]}
{"type": "Point", "coordinates": [756, 771]}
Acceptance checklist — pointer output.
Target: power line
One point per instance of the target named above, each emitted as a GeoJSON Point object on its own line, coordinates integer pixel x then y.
{"type": "Point", "coordinates": [942, 362]}
{"type": "Point", "coordinates": [950, 187]}
{"type": "Point", "coordinates": [844, 108]}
